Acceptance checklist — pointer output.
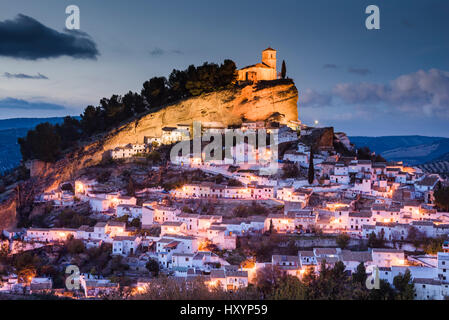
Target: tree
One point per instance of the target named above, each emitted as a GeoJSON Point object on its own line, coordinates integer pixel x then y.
{"type": "Point", "coordinates": [75, 246]}
{"type": "Point", "coordinates": [130, 188]}
{"type": "Point", "coordinates": [153, 267]}
{"type": "Point", "coordinates": [343, 240]}
{"type": "Point", "coordinates": [311, 173]}
{"type": "Point", "coordinates": [155, 92]}
{"type": "Point", "coordinates": [154, 156]}
{"type": "Point", "coordinates": [42, 143]}
{"type": "Point", "coordinates": [330, 284]}
{"type": "Point", "coordinates": [404, 286]}
{"type": "Point", "coordinates": [375, 242]}
{"type": "Point", "coordinates": [289, 288]}
{"type": "Point", "coordinates": [385, 292]}
{"type": "Point", "coordinates": [360, 275]}
{"type": "Point", "coordinates": [433, 246]}
{"type": "Point", "coordinates": [442, 198]}
{"type": "Point", "coordinates": [290, 170]}
{"type": "Point", "coordinates": [284, 70]}
{"type": "Point", "coordinates": [267, 279]}
{"type": "Point", "coordinates": [135, 223]}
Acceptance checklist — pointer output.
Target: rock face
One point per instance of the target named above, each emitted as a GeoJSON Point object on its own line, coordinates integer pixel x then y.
{"type": "Point", "coordinates": [230, 107]}
{"type": "Point", "coordinates": [319, 137]}
{"type": "Point", "coordinates": [8, 213]}
{"type": "Point", "coordinates": [341, 137]}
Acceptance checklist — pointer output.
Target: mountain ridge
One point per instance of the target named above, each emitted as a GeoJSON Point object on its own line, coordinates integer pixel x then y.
{"type": "Point", "coordinates": [413, 150]}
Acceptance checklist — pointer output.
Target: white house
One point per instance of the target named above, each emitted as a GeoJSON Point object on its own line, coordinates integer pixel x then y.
{"type": "Point", "coordinates": [125, 246]}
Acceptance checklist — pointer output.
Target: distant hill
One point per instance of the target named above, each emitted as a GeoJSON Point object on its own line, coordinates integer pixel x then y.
{"type": "Point", "coordinates": [10, 131]}
{"type": "Point", "coordinates": [413, 150]}
{"type": "Point", "coordinates": [29, 123]}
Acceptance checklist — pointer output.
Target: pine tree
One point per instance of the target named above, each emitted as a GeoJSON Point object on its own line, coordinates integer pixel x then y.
{"type": "Point", "coordinates": [360, 275]}
{"type": "Point", "coordinates": [311, 168]}
{"type": "Point", "coordinates": [284, 70]}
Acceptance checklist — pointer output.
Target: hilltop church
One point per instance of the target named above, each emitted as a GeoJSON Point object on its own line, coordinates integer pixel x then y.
{"type": "Point", "coordinates": [261, 71]}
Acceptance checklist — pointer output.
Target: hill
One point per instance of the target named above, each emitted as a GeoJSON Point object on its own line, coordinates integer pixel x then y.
{"type": "Point", "coordinates": [413, 150]}
{"type": "Point", "coordinates": [229, 107]}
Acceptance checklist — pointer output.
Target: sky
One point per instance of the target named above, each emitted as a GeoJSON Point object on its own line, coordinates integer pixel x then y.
{"type": "Point", "coordinates": [392, 81]}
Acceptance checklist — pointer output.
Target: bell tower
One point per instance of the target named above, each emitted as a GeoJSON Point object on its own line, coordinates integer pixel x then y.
{"type": "Point", "coordinates": [269, 57]}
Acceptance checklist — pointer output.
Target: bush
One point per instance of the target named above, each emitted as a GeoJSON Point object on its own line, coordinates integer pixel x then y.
{"type": "Point", "coordinates": [75, 246]}
{"type": "Point", "coordinates": [442, 198]}
{"type": "Point", "coordinates": [290, 170]}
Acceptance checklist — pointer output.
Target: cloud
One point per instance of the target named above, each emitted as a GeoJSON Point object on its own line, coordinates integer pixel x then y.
{"type": "Point", "coordinates": [422, 92]}
{"type": "Point", "coordinates": [39, 76]}
{"type": "Point", "coordinates": [157, 52]}
{"type": "Point", "coordinates": [160, 52]}
{"type": "Point", "coordinates": [330, 66]}
{"type": "Point", "coordinates": [359, 71]}
{"type": "Point", "coordinates": [27, 38]}
{"type": "Point", "coordinates": [12, 103]}
{"type": "Point", "coordinates": [312, 98]}
{"type": "Point", "coordinates": [364, 92]}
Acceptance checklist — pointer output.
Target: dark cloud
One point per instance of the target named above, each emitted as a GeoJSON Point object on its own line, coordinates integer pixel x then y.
{"type": "Point", "coordinates": [330, 66]}
{"type": "Point", "coordinates": [11, 103]}
{"type": "Point", "coordinates": [27, 38]}
{"type": "Point", "coordinates": [39, 76]}
{"type": "Point", "coordinates": [359, 71]}
{"type": "Point", "coordinates": [160, 52]}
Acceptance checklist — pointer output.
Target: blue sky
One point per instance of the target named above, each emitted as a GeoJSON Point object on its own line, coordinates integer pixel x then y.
{"type": "Point", "coordinates": [392, 81]}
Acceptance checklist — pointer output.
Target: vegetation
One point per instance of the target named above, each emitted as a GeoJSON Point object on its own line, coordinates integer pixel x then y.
{"type": "Point", "coordinates": [243, 211]}
{"type": "Point", "coordinates": [290, 170]}
{"type": "Point", "coordinates": [404, 286]}
{"type": "Point", "coordinates": [283, 70]}
{"type": "Point", "coordinates": [365, 153]}
{"type": "Point", "coordinates": [330, 284]}
{"type": "Point", "coordinates": [311, 172]}
{"type": "Point", "coordinates": [375, 241]}
{"type": "Point", "coordinates": [165, 288]}
{"type": "Point", "coordinates": [343, 240]}
{"type": "Point", "coordinates": [69, 218]}
{"type": "Point", "coordinates": [442, 198]}
{"type": "Point", "coordinates": [47, 142]}
{"type": "Point", "coordinates": [153, 267]}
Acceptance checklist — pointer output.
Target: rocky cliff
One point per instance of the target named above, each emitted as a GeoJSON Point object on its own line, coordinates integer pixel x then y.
{"type": "Point", "coordinates": [230, 107]}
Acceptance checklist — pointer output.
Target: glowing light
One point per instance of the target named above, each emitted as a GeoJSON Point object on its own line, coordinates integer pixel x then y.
{"type": "Point", "coordinates": [316, 122]}
{"type": "Point", "coordinates": [79, 187]}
